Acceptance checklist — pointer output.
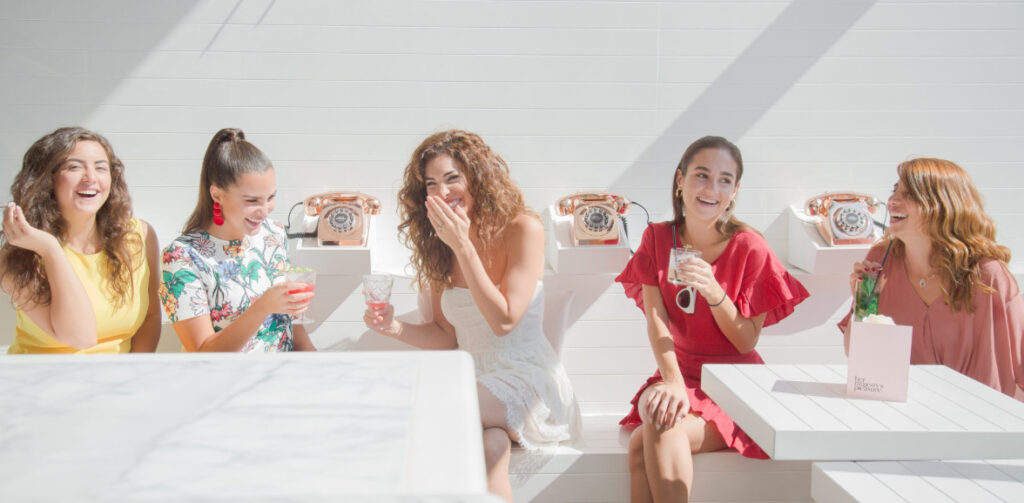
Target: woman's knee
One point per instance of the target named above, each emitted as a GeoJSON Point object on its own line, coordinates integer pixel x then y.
{"type": "Point", "coordinates": [641, 405]}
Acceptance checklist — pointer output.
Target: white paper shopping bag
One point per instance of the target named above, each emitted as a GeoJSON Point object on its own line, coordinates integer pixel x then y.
{"type": "Point", "coordinates": [879, 365]}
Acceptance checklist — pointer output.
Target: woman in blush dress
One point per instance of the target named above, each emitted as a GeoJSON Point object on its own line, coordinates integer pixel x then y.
{"type": "Point", "coordinates": [734, 289]}
{"type": "Point", "coordinates": [480, 251]}
{"type": "Point", "coordinates": [946, 277]}
{"type": "Point", "coordinates": [81, 270]}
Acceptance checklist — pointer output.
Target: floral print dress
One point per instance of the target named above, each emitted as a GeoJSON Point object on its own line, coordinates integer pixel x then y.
{"type": "Point", "coordinates": [204, 275]}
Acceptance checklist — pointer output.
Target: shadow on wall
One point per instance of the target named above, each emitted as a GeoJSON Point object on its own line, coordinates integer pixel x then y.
{"type": "Point", "coordinates": [753, 83]}
{"type": "Point", "coordinates": [70, 77]}
{"type": "Point", "coordinates": [331, 291]}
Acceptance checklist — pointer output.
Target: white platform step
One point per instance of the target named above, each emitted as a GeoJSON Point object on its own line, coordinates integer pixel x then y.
{"type": "Point", "coordinates": [595, 470]}
{"type": "Point", "coordinates": [995, 481]}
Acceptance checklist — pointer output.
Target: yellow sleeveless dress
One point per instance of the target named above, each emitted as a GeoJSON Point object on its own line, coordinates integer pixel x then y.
{"type": "Point", "coordinates": [115, 327]}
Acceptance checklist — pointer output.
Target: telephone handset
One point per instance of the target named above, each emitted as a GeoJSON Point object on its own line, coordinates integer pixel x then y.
{"type": "Point", "coordinates": [344, 217]}
{"type": "Point", "coordinates": [845, 218]}
{"type": "Point", "coordinates": [596, 216]}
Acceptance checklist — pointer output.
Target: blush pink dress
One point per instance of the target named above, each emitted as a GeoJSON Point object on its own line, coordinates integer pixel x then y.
{"type": "Point", "coordinates": [984, 345]}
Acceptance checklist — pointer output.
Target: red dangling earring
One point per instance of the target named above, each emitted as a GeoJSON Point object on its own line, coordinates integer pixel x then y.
{"type": "Point", "coordinates": [218, 215]}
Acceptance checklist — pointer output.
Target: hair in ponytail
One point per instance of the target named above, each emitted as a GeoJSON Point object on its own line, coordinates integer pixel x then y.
{"type": "Point", "coordinates": [228, 157]}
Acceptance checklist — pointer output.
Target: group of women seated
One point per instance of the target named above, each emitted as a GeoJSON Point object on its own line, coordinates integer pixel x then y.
{"type": "Point", "coordinates": [86, 275]}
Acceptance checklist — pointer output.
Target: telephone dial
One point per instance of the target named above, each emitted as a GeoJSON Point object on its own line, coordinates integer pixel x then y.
{"type": "Point", "coordinates": [596, 216]}
{"type": "Point", "coordinates": [343, 217]}
{"type": "Point", "coordinates": [845, 218]}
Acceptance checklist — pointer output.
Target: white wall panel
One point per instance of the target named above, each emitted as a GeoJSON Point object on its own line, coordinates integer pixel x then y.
{"type": "Point", "coordinates": [858, 42]}
{"type": "Point", "coordinates": [123, 11]}
{"type": "Point", "coordinates": [368, 121]}
{"type": "Point", "coordinates": [954, 15]}
{"type": "Point", "coordinates": [466, 14]}
{"type": "Point", "coordinates": [438, 68]}
{"type": "Point", "coordinates": [921, 96]}
{"type": "Point", "coordinates": [25, 62]}
{"type": "Point", "coordinates": [447, 95]}
{"type": "Point", "coordinates": [719, 15]}
{"type": "Point", "coordinates": [433, 40]}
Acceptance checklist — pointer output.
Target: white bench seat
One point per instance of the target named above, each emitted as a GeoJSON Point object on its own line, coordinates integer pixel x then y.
{"type": "Point", "coordinates": [595, 470]}
{"type": "Point", "coordinates": [919, 481]}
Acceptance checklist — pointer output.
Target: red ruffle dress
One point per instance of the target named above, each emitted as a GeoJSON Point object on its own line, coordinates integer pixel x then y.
{"type": "Point", "coordinates": [755, 280]}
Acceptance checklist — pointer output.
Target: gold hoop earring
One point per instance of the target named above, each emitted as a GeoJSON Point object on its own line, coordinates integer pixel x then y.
{"type": "Point", "coordinates": [727, 214]}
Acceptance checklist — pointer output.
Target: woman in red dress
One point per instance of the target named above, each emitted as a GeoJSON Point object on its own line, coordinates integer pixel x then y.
{"type": "Point", "coordinates": [734, 289]}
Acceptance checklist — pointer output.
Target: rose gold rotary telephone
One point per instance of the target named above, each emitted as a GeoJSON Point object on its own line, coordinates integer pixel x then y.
{"type": "Point", "coordinates": [595, 216]}
{"type": "Point", "coordinates": [344, 217]}
{"type": "Point", "coordinates": [844, 218]}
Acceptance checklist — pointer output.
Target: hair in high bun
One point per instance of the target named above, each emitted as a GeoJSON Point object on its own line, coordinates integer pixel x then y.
{"type": "Point", "coordinates": [228, 157]}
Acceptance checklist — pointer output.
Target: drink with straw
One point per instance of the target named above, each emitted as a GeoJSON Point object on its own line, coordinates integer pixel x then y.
{"type": "Point", "coordinates": [866, 296]}
{"type": "Point", "coordinates": [865, 293]}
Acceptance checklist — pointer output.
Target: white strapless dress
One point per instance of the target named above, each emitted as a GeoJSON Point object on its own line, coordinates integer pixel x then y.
{"type": "Point", "coordinates": [520, 369]}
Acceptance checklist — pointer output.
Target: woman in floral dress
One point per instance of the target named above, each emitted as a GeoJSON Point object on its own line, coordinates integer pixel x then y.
{"type": "Point", "coordinates": [222, 283]}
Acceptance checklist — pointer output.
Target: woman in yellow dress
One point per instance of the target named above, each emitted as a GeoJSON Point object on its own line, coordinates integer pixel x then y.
{"type": "Point", "coordinates": [74, 260]}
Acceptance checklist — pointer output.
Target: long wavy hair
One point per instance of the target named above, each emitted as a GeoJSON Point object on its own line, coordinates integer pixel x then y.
{"type": "Point", "coordinates": [727, 224]}
{"type": "Point", "coordinates": [496, 201]}
{"type": "Point", "coordinates": [228, 157]}
{"type": "Point", "coordinates": [33, 191]}
{"type": "Point", "coordinates": [954, 218]}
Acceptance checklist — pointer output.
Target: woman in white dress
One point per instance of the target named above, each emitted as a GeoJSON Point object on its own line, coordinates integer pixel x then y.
{"type": "Point", "coordinates": [480, 251]}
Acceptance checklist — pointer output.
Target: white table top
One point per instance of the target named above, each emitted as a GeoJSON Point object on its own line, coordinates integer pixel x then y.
{"type": "Point", "coordinates": [185, 427]}
{"type": "Point", "coordinates": [802, 412]}
{"type": "Point", "coordinates": [919, 481]}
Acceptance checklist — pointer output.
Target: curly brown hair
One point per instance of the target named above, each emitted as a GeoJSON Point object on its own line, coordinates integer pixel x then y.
{"type": "Point", "coordinates": [496, 201]}
{"type": "Point", "coordinates": [33, 191]}
{"type": "Point", "coordinates": [728, 224]}
{"type": "Point", "coordinates": [955, 219]}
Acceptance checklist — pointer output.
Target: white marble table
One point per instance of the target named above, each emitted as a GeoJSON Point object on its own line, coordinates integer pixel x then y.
{"type": "Point", "coordinates": [368, 426]}
{"type": "Point", "coordinates": [919, 481]}
{"type": "Point", "coordinates": [802, 412]}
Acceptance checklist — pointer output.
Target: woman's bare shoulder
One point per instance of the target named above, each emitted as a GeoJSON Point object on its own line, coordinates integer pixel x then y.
{"type": "Point", "coordinates": [524, 224]}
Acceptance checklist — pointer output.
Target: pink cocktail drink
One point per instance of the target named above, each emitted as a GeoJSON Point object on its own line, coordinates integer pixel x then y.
{"type": "Point", "coordinates": [304, 289]}
{"type": "Point", "coordinates": [377, 289]}
{"type": "Point", "coordinates": [305, 277]}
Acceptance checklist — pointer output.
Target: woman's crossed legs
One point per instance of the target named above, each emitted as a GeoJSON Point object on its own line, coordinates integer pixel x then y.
{"type": "Point", "coordinates": [661, 462]}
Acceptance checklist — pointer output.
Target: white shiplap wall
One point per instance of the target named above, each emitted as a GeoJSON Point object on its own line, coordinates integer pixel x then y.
{"type": "Point", "coordinates": [588, 94]}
